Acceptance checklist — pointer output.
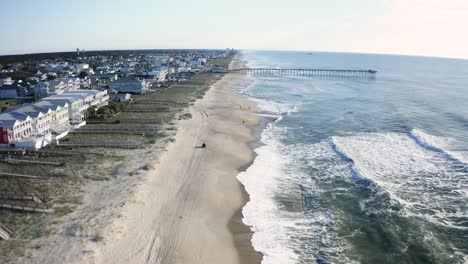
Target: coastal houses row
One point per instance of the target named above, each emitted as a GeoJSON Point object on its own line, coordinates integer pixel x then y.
{"type": "Point", "coordinates": [22, 89]}
{"type": "Point", "coordinates": [37, 125]}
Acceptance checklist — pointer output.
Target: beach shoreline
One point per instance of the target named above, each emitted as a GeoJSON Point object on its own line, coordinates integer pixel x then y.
{"type": "Point", "coordinates": [189, 210]}
{"type": "Point", "coordinates": [185, 206]}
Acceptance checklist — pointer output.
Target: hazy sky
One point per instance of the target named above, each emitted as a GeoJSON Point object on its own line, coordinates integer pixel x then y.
{"type": "Point", "coordinates": [419, 27]}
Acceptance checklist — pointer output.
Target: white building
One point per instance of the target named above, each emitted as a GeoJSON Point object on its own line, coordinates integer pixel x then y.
{"type": "Point", "coordinates": [130, 85]}
{"type": "Point", "coordinates": [41, 118]}
{"type": "Point", "coordinates": [61, 85]}
{"type": "Point", "coordinates": [155, 74]}
{"type": "Point", "coordinates": [79, 101]}
{"type": "Point", "coordinates": [38, 124]}
{"type": "Point", "coordinates": [81, 67]}
{"type": "Point", "coordinates": [59, 116]}
{"type": "Point", "coordinates": [14, 127]}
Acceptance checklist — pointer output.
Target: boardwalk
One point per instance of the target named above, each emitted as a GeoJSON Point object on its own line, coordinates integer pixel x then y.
{"type": "Point", "coordinates": [307, 72]}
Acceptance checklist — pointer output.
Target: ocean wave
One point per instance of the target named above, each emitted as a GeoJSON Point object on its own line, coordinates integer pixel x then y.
{"type": "Point", "coordinates": [282, 210]}
{"type": "Point", "coordinates": [246, 86]}
{"type": "Point", "coordinates": [261, 212]}
{"type": "Point", "coordinates": [428, 185]}
{"type": "Point", "coordinates": [279, 108]}
{"type": "Point", "coordinates": [437, 144]}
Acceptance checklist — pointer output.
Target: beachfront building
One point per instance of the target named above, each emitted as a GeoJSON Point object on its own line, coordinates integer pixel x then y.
{"type": "Point", "coordinates": [156, 75]}
{"type": "Point", "coordinates": [41, 118]}
{"type": "Point", "coordinates": [92, 97]}
{"type": "Point", "coordinates": [59, 116]}
{"type": "Point", "coordinates": [79, 101]}
{"type": "Point", "coordinates": [130, 85]}
{"type": "Point", "coordinates": [38, 124]}
{"type": "Point", "coordinates": [14, 127]}
{"type": "Point", "coordinates": [34, 125]}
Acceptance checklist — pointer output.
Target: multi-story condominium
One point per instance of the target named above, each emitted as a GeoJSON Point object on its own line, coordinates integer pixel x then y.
{"type": "Point", "coordinates": [79, 101]}
{"type": "Point", "coordinates": [14, 127]}
{"type": "Point", "coordinates": [35, 125]}
{"type": "Point", "coordinates": [130, 85]}
{"type": "Point", "coordinates": [61, 85]}
{"type": "Point", "coordinates": [92, 97]}
{"type": "Point", "coordinates": [41, 118]}
{"type": "Point", "coordinates": [59, 116]}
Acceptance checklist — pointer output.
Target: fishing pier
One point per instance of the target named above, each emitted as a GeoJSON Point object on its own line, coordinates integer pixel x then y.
{"type": "Point", "coordinates": [307, 72]}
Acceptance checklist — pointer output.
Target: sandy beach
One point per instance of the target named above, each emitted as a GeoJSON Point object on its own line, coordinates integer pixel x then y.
{"type": "Point", "coordinates": [188, 206]}
{"type": "Point", "coordinates": [183, 204]}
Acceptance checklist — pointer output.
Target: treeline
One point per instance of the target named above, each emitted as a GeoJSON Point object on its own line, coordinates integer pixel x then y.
{"type": "Point", "coordinates": [9, 59]}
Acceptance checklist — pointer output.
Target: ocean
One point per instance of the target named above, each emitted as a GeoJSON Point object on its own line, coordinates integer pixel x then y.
{"type": "Point", "coordinates": [358, 170]}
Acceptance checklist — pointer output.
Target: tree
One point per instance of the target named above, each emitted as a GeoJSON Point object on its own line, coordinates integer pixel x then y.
{"type": "Point", "coordinates": [91, 112]}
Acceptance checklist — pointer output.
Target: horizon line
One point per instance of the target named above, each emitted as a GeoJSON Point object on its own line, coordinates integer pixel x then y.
{"type": "Point", "coordinates": [279, 50]}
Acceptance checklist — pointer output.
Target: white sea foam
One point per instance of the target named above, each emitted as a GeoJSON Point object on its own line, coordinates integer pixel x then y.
{"type": "Point", "coordinates": [279, 108]}
{"type": "Point", "coordinates": [441, 144]}
{"type": "Point", "coordinates": [261, 181]}
{"type": "Point", "coordinates": [275, 175]}
{"type": "Point", "coordinates": [425, 182]}
{"type": "Point", "coordinates": [247, 85]}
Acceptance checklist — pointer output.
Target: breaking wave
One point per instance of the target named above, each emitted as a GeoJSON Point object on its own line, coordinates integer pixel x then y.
{"type": "Point", "coordinates": [425, 182]}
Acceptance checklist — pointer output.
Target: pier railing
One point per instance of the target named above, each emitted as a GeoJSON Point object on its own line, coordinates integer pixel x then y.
{"type": "Point", "coordinates": [307, 72]}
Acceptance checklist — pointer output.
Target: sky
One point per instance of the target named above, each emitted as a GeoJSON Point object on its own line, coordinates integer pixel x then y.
{"type": "Point", "coordinates": [411, 27]}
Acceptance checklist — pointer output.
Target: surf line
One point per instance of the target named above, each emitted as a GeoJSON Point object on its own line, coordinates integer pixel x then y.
{"type": "Point", "coordinates": [356, 175]}
{"type": "Point", "coordinates": [418, 137]}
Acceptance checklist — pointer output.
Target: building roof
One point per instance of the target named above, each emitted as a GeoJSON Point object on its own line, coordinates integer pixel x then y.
{"type": "Point", "coordinates": [10, 119]}
{"type": "Point", "coordinates": [83, 92]}
{"type": "Point", "coordinates": [72, 96]}
{"type": "Point", "coordinates": [31, 110]}
{"type": "Point", "coordinates": [54, 105]}
{"type": "Point", "coordinates": [127, 80]}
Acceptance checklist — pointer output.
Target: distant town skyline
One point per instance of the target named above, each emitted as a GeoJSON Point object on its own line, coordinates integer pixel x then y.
{"type": "Point", "coordinates": [408, 27]}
